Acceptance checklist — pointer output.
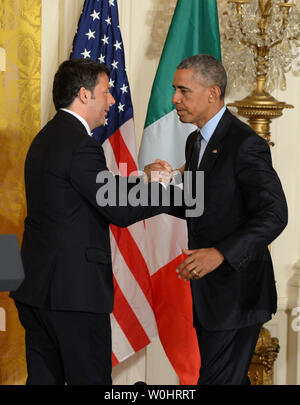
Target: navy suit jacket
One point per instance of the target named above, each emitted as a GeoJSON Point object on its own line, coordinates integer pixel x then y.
{"type": "Point", "coordinates": [66, 245]}
{"type": "Point", "coordinates": [244, 211]}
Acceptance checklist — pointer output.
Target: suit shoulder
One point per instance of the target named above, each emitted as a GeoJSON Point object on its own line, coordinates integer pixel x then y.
{"type": "Point", "coordinates": [244, 134]}
{"type": "Point", "coordinates": [58, 140]}
{"type": "Point", "coordinates": [67, 130]}
{"type": "Point", "coordinates": [63, 133]}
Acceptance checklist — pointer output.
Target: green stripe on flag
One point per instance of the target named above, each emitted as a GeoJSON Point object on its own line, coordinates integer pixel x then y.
{"type": "Point", "coordinates": [194, 29]}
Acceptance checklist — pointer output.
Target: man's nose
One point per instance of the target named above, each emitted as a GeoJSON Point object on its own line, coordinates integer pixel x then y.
{"type": "Point", "coordinates": [175, 98]}
{"type": "Point", "coordinates": [112, 101]}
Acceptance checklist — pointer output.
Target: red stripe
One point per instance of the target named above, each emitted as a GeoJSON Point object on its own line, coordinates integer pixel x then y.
{"type": "Point", "coordinates": [114, 360]}
{"type": "Point", "coordinates": [128, 321]}
{"type": "Point", "coordinates": [123, 312]}
{"type": "Point", "coordinates": [134, 259]}
{"type": "Point", "coordinates": [172, 302]}
{"type": "Point", "coordinates": [122, 153]}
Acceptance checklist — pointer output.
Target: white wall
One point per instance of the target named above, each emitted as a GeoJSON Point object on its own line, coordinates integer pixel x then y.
{"type": "Point", "coordinates": [144, 25]}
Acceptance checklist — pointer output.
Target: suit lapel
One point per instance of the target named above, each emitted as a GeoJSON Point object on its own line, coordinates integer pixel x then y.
{"type": "Point", "coordinates": [214, 147]}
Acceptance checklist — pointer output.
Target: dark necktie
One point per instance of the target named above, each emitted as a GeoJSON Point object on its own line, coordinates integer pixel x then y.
{"type": "Point", "coordinates": [196, 151]}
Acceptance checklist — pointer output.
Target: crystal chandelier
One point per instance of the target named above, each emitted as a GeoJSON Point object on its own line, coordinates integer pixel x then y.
{"type": "Point", "coordinates": [260, 44]}
{"type": "Point", "coordinates": [260, 38]}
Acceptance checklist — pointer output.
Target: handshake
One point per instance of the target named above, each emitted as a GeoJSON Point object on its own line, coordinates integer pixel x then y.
{"type": "Point", "coordinates": [162, 172]}
{"type": "Point", "coordinates": [193, 192]}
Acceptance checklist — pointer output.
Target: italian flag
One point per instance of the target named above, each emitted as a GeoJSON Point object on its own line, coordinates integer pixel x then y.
{"type": "Point", "coordinates": [194, 29]}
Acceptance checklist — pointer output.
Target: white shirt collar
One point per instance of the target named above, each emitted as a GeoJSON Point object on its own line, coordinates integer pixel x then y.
{"type": "Point", "coordinates": [82, 120]}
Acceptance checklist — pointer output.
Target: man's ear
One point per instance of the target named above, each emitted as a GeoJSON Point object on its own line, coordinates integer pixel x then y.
{"type": "Point", "coordinates": [215, 94]}
{"type": "Point", "coordinates": [84, 95]}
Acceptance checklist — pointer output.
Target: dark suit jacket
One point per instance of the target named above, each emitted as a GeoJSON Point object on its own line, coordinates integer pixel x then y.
{"type": "Point", "coordinates": [244, 211]}
{"type": "Point", "coordinates": [66, 244]}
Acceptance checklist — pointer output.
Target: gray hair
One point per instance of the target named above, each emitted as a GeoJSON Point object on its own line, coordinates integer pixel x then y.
{"type": "Point", "coordinates": [207, 69]}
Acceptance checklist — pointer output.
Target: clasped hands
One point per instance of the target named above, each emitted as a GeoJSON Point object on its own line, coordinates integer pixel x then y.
{"type": "Point", "coordinates": [160, 171]}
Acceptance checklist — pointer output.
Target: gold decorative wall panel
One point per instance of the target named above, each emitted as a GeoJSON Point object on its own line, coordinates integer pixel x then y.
{"type": "Point", "coordinates": [20, 36]}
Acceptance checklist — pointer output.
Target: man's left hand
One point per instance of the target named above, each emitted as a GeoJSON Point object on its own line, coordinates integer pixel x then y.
{"type": "Point", "coordinates": [199, 262]}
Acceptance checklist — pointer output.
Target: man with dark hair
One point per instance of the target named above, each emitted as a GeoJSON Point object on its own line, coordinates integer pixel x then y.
{"type": "Point", "coordinates": [228, 261]}
{"type": "Point", "coordinates": [75, 74]}
{"type": "Point", "coordinates": [67, 295]}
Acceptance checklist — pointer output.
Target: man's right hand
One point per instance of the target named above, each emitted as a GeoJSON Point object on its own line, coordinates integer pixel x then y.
{"type": "Point", "coordinates": [159, 171]}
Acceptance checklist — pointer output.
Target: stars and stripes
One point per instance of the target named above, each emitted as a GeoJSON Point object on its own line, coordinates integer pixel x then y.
{"type": "Point", "coordinates": [99, 38]}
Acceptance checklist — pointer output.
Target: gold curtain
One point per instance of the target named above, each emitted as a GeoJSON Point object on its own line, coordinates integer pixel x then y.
{"type": "Point", "coordinates": [20, 36]}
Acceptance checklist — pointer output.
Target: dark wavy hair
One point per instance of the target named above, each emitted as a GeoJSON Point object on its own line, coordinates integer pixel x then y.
{"type": "Point", "coordinates": [71, 76]}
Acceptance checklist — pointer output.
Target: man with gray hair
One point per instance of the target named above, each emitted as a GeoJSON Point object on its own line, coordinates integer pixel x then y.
{"type": "Point", "coordinates": [228, 262]}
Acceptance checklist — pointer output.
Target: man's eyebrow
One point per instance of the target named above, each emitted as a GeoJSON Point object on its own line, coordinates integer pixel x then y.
{"type": "Point", "coordinates": [181, 87]}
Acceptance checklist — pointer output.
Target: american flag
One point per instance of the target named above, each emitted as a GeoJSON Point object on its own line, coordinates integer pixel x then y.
{"type": "Point", "coordinates": [99, 38]}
